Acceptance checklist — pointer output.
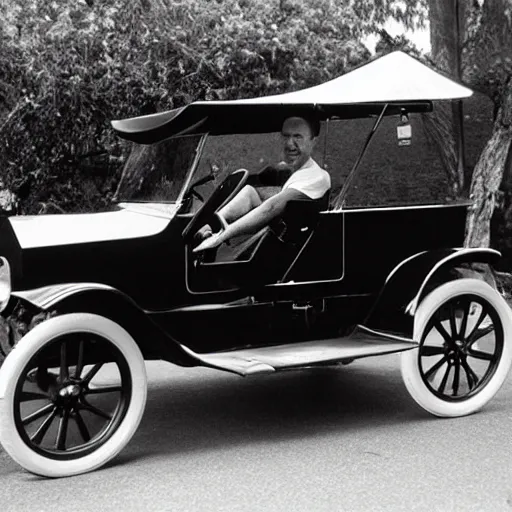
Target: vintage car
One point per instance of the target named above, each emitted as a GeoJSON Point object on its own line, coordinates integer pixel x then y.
{"type": "Point", "coordinates": [102, 293]}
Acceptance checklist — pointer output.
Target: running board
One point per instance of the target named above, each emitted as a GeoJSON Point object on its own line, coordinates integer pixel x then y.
{"type": "Point", "coordinates": [362, 342]}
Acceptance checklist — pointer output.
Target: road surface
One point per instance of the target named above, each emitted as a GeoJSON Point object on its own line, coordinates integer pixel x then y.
{"type": "Point", "coordinates": [331, 439]}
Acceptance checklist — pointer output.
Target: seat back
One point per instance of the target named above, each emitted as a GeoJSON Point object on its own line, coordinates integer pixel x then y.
{"type": "Point", "coordinates": [298, 218]}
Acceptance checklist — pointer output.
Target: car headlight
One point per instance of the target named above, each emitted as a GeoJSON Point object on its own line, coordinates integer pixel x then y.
{"type": "Point", "coordinates": [5, 283]}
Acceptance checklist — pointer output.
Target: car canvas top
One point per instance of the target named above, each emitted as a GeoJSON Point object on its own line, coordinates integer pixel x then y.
{"type": "Point", "coordinates": [396, 79]}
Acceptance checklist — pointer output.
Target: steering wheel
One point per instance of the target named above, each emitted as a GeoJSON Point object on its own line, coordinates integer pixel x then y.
{"type": "Point", "coordinates": [192, 190]}
{"type": "Point", "coordinates": [231, 185]}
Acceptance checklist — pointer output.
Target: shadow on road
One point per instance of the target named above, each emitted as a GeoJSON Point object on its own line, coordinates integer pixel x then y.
{"type": "Point", "coordinates": [218, 411]}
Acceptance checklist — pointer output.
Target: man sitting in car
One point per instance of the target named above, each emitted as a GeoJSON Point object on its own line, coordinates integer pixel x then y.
{"type": "Point", "coordinates": [249, 212]}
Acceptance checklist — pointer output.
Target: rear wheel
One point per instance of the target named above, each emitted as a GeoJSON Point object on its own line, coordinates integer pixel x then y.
{"type": "Point", "coordinates": [464, 329]}
{"type": "Point", "coordinates": [72, 394]}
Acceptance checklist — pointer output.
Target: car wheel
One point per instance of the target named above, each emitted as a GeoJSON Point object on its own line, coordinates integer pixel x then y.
{"type": "Point", "coordinates": [72, 394]}
{"type": "Point", "coordinates": [464, 329]}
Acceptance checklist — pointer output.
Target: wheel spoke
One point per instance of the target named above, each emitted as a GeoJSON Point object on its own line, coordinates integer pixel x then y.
{"type": "Point", "coordinates": [104, 389]}
{"type": "Point", "coordinates": [60, 443]}
{"type": "Point", "coordinates": [453, 321]}
{"type": "Point", "coordinates": [456, 379]}
{"type": "Point", "coordinates": [429, 350]}
{"type": "Point", "coordinates": [91, 408]}
{"type": "Point", "coordinates": [478, 354]}
{"type": "Point", "coordinates": [480, 319]}
{"type": "Point", "coordinates": [38, 414]}
{"type": "Point", "coordinates": [27, 396]}
{"type": "Point", "coordinates": [44, 379]}
{"type": "Point", "coordinates": [442, 331]}
{"type": "Point", "coordinates": [38, 437]}
{"type": "Point", "coordinates": [64, 371]}
{"type": "Point", "coordinates": [441, 387]}
{"type": "Point", "coordinates": [80, 363]}
{"type": "Point", "coordinates": [82, 427]}
{"type": "Point", "coordinates": [435, 367]}
{"type": "Point", "coordinates": [478, 334]}
{"type": "Point", "coordinates": [92, 372]}
{"type": "Point", "coordinates": [465, 316]}
{"type": "Point", "coordinates": [470, 374]}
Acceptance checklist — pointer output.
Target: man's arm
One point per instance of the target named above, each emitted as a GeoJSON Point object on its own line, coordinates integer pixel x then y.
{"type": "Point", "coordinates": [255, 219]}
{"type": "Point", "coordinates": [262, 214]}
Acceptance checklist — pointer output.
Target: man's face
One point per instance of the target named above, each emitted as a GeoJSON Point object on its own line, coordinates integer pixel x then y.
{"type": "Point", "coordinates": [298, 142]}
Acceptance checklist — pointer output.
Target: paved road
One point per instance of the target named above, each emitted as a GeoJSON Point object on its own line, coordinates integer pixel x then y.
{"type": "Point", "coordinates": [332, 439]}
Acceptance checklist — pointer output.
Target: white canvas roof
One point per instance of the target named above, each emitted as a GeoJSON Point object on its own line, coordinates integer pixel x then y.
{"type": "Point", "coordinates": [393, 77]}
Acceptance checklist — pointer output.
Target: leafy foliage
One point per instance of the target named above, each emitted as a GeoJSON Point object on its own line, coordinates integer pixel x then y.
{"type": "Point", "coordinates": [68, 67]}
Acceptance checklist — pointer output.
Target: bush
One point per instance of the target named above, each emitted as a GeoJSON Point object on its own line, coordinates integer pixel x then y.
{"type": "Point", "coordinates": [68, 69]}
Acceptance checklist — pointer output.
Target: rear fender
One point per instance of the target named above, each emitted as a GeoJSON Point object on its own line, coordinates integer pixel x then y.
{"type": "Point", "coordinates": [411, 280]}
{"type": "Point", "coordinates": [111, 303]}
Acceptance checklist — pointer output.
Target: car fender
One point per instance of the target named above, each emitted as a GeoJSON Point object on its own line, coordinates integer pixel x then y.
{"type": "Point", "coordinates": [412, 279]}
{"type": "Point", "coordinates": [111, 303]}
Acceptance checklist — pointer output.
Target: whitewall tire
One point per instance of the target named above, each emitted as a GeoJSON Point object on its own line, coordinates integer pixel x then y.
{"type": "Point", "coordinates": [464, 328]}
{"type": "Point", "coordinates": [62, 410]}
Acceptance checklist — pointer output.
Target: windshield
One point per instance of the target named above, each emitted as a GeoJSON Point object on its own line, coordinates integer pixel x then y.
{"type": "Point", "coordinates": [157, 173]}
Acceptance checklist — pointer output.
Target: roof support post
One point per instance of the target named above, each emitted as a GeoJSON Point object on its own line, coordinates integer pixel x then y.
{"type": "Point", "coordinates": [458, 109]}
{"type": "Point", "coordinates": [340, 200]}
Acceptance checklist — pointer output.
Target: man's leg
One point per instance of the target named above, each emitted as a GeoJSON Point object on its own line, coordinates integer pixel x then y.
{"type": "Point", "coordinates": [245, 201]}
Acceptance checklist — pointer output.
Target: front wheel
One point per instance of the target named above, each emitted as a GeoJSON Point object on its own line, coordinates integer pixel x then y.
{"type": "Point", "coordinates": [464, 330]}
{"type": "Point", "coordinates": [72, 394]}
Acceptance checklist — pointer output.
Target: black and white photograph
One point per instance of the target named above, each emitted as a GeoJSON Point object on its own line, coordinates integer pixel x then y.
{"type": "Point", "coordinates": [256, 255]}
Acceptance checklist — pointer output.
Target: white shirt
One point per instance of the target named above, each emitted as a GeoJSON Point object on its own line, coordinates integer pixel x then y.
{"type": "Point", "coordinates": [310, 179]}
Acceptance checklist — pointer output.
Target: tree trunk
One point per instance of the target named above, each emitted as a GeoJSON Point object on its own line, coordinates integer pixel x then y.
{"type": "Point", "coordinates": [488, 68]}
{"type": "Point", "coordinates": [488, 174]}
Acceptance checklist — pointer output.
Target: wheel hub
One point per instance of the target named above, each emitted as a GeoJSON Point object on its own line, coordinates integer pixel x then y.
{"type": "Point", "coordinates": [68, 395]}
{"type": "Point", "coordinates": [70, 391]}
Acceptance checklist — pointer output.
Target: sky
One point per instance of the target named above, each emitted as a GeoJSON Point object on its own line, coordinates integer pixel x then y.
{"type": "Point", "coordinates": [421, 38]}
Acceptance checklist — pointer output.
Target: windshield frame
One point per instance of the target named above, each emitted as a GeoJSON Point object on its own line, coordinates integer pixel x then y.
{"type": "Point", "coordinates": [192, 169]}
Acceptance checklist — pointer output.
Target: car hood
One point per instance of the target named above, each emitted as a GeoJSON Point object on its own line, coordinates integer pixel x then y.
{"type": "Point", "coordinates": [131, 220]}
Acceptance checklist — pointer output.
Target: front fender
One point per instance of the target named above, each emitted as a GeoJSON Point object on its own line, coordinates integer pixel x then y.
{"type": "Point", "coordinates": [412, 279]}
{"type": "Point", "coordinates": [111, 303]}
{"type": "Point", "coordinates": [47, 297]}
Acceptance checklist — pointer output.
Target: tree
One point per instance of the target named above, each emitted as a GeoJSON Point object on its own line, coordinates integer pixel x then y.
{"type": "Point", "coordinates": [258, 48]}
{"type": "Point", "coordinates": [485, 60]}
{"type": "Point", "coordinates": [68, 67]}
{"type": "Point", "coordinates": [487, 66]}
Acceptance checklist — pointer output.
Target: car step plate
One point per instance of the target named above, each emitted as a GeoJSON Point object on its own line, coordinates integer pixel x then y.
{"type": "Point", "coordinates": [248, 361]}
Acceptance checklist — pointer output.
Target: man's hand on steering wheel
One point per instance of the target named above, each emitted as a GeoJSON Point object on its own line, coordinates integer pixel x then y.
{"type": "Point", "coordinates": [210, 243]}
{"type": "Point", "coordinates": [207, 230]}
{"type": "Point", "coordinates": [206, 234]}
